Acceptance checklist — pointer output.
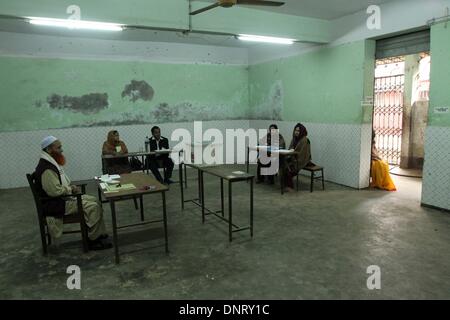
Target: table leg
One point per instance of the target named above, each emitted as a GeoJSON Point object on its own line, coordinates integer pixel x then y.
{"type": "Point", "coordinates": [185, 176]}
{"type": "Point", "coordinates": [251, 207]}
{"type": "Point", "coordinates": [221, 197]}
{"type": "Point", "coordinates": [180, 169]}
{"type": "Point", "coordinates": [248, 159]}
{"type": "Point", "coordinates": [230, 212]}
{"type": "Point", "coordinates": [141, 201]}
{"type": "Point", "coordinates": [114, 226]}
{"type": "Point", "coordinates": [202, 194]}
{"type": "Point", "coordinates": [200, 198]}
{"type": "Point", "coordinates": [165, 222]}
{"type": "Point", "coordinates": [323, 183]}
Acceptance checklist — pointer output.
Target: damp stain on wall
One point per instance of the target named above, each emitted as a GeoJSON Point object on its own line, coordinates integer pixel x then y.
{"type": "Point", "coordinates": [87, 104]}
{"type": "Point", "coordinates": [136, 90]}
{"type": "Point", "coordinates": [271, 106]}
{"type": "Point", "coordinates": [188, 111]}
{"type": "Point", "coordinates": [38, 103]}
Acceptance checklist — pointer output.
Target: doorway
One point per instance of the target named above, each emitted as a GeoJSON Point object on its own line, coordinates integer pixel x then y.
{"type": "Point", "coordinates": [400, 115]}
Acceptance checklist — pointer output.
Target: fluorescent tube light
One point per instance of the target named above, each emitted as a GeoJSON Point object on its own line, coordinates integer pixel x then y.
{"type": "Point", "coordinates": [248, 37]}
{"type": "Point", "coordinates": [76, 24]}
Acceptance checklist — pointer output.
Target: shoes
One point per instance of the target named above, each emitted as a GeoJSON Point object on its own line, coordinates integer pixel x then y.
{"type": "Point", "coordinates": [103, 236]}
{"type": "Point", "coordinates": [259, 181]}
{"type": "Point", "coordinates": [98, 244]}
{"type": "Point", "coordinates": [168, 181]}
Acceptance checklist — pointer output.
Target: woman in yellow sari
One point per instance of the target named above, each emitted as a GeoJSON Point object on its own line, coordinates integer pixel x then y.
{"type": "Point", "coordinates": [379, 172]}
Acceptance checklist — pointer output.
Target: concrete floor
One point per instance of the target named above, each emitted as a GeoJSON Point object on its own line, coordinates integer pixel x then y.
{"type": "Point", "coordinates": [306, 246]}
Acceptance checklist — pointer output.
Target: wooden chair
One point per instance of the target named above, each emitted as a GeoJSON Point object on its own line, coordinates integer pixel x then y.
{"type": "Point", "coordinates": [313, 169]}
{"type": "Point", "coordinates": [67, 219]}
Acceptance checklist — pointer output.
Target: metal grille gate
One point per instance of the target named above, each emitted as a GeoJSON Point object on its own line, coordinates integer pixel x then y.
{"type": "Point", "coordinates": [387, 117]}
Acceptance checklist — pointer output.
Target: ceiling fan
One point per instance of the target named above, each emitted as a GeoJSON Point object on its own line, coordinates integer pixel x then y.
{"type": "Point", "coordinates": [230, 3]}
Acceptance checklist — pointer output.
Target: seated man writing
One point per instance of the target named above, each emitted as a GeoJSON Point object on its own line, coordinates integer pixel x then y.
{"type": "Point", "coordinates": [157, 143]}
{"type": "Point", "coordinates": [51, 181]}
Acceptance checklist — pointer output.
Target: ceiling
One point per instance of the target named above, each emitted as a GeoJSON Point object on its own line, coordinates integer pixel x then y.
{"type": "Point", "coordinates": [321, 9]}
{"type": "Point", "coordinates": [19, 26]}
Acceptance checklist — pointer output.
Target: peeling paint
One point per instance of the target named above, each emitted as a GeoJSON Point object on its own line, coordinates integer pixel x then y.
{"type": "Point", "coordinates": [138, 90]}
{"type": "Point", "coordinates": [87, 104]}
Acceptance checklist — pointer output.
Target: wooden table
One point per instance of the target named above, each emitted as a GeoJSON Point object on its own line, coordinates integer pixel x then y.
{"type": "Point", "coordinates": [223, 172]}
{"type": "Point", "coordinates": [142, 182]}
{"type": "Point", "coordinates": [142, 154]}
{"type": "Point", "coordinates": [280, 153]}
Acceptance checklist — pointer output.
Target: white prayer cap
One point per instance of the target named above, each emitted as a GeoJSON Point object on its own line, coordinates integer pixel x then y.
{"type": "Point", "coordinates": [47, 141]}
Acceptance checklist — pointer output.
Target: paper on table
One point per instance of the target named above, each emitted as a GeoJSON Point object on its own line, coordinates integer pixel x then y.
{"type": "Point", "coordinates": [238, 172]}
{"type": "Point", "coordinates": [109, 178]}
{"type": "Point", "coordinates": [128, 186]}
{"type": "Point", "coordinates": [113, 181]}
{"type": "Point", "coordinates": [284, 151]}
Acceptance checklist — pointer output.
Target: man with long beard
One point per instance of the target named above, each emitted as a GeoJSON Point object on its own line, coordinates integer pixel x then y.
{"type": "Point", "coordinates": [51, 181]}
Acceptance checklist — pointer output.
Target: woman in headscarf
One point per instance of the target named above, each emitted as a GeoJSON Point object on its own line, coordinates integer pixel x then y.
{"type": "Point", "coordinates": [293, 164]}
{"type": "Point", "coordinates": [114, 146]}
{"type": "Point", "coordinates": [379, 171]}
{"type": "Point", "coordinates": [267, 141]}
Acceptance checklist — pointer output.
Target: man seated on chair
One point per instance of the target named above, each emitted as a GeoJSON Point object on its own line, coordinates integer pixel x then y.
{"type": "Point", "coordinates": [157, 142]}
{"type": "Point", "coordinates": [51, 181]}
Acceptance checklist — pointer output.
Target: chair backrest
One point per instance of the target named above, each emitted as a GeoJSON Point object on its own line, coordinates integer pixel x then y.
{"type": "Point", "coordinates": [32, 182]}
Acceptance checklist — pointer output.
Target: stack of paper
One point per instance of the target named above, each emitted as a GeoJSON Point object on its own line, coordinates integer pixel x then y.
{"type": "Point", "coordinates": [119, 187]}
{"type": "Point", "coordinates": [109, 178]}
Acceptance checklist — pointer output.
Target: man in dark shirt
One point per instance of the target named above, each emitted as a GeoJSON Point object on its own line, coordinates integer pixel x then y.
{"type": "Point", "coordinates": [158, 144]}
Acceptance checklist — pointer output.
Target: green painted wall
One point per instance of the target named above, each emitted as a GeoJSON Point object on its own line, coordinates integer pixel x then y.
{"type": "Point", "coordinates": [181, 92]}
{"type": "Point", "coordinates": [322, 86]}
{"type": "Point", "coordinates": [440, 74]}
{"type": "Point", "coordinates": [368, 80]}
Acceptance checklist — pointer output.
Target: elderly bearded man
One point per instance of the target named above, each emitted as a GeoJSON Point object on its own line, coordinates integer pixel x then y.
{"type": "Point", "coordinates": [51, 181]}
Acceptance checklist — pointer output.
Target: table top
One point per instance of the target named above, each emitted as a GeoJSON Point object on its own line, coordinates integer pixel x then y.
{"type": "Point", "coordinates": [222, 171]}
{"type": "Point", "coordinates": [136, 154]}
{"type": "Point", "coordinates": [141, 181]}
{"type": "Point", "coordinates": [200, 166]}
{"type": "Point", "coordinates": [279, 151]}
